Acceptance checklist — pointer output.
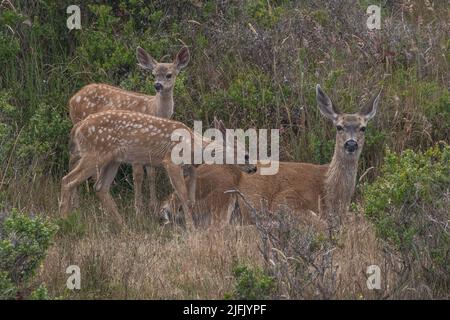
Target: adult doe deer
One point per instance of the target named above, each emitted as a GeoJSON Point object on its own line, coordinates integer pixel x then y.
{"type": "Point", "coordinates": [323, 190]}
{"type": "Point", "coordinates": [95, 98]}
{"type": "Point", "coordinates": [104, 140]}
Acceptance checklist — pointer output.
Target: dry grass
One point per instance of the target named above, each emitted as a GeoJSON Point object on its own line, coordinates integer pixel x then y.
{"type": "Point", "coordinates": [359, 248]}
{"type": "Point", "coordinates": [147, 261]}
{"type": "Point", "coordinates": [150, 261]}
{"type": "Point", "coordinates": [166, 264]}
{"type": "Point", "coordinates": [172, 264]}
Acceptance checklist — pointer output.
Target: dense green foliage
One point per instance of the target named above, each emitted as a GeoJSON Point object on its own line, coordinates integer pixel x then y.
{"type": "Point", "coordinates": [410, 207]}
{"type": "Point", "coordinates": [254, 63]}
{"type": "Point", "coordinates": [24, 241]}
{"type": "Point", "coordinates": [251, 284]}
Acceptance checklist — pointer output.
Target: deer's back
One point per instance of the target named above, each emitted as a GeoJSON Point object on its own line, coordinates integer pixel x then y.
{"type": "Point", "coordinates": [216, 178]}
{"type": "Point", "coordinates": [95, 98]}
{"type": "Point", "coordinates": [296, 186]}
{"type": "Point", "coordinates": [125, 136]}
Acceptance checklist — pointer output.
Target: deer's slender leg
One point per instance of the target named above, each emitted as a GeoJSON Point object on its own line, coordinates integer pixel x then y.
{"type": "Point", "coordinates": [191, 182]}
{"type": "Point", "coordinates": [75, 201]}
{"type": "Point", "coordinates": [138, 179]}
{"type": "Point", "coordinates": [232, 202]}
{"type": "Point", "coordinates": [175, 173]}
{"type": "Point", "coordinates": [80, 173]}
{"type": "Point", "coordinates": [151, 177]}
{"type": "Point", "coordinates": [102, 187]}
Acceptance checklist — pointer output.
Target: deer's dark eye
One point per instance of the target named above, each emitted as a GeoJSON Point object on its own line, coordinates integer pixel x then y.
{"type": "Point", "coordinates": [362, 129]}
{"type": "Point", "coordinates": [168, 76]}
{"type": "Point", "coordinates": [339, 128]}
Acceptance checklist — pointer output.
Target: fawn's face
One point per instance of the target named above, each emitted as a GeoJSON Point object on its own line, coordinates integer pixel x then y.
{"type": "Point", "coordinates": [350, 128]}
{"type": "Point", "coordinates": [165, 74]}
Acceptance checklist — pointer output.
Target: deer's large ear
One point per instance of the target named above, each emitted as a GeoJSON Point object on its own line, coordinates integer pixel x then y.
{"type": "Point", "coordinates": [370, 109]}
{"type": "Point", "coordinates": [218, 124]}
{"type": "Point", "coordinates": [325, 105]}
{"type": "Point", "coordinates": [182, 58]}
{"type": "Point", "coordinates": [145, 60]}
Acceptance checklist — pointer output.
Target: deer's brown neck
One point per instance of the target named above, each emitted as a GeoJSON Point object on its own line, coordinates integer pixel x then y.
{"type": "Point", "coordinates": [164, 104]}
{"type": "Point", "coordinates": [340, 183]}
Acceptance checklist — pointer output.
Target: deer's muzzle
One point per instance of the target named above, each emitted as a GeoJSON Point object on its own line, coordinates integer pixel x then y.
{"type": "Point", "coordinates": [158, 86]}
{"type": "Point", "coordinates": [350, 146]}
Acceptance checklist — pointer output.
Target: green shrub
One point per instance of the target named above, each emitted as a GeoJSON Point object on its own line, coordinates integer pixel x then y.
{"type": "Point", "coordinates": [40, 293]}
{"type": "Point", "coordinates": [9, 48]}
{"type": "Point", "coordinates": [409, 205]}
{"type": "Point", "coordinates": [24, 241]}
{"type": "Point", "coordinates": [250, 93]}
{"type": "Point", "coordinates": [251, 284]}
{"type": "Point", "coordinates": [101, 49]}
{"type": "Point", "coordinates": [321, 150]}
{"type": "Point", "coordinates": [6, 129]}
{"type": "Point", "coordinates": [7, 288]}
{"type": "Point", "coordinates": [266, 14]}
{"type": "Point", "coordinates": [321, 17]}
{"type": "Point", "coordinates": [45, 134]}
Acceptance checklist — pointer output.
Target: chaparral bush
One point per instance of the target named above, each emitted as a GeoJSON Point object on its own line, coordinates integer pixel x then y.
{"type": "Point", "coordinates": [24, 241]}
{"type": "Point", "coordinates": [409, 204]}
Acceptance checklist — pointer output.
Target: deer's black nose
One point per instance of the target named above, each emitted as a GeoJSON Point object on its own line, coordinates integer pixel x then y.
{"type": "Point", "coordinates": [350, 146]}
{"type": "Point", "coordinates": [158, 86]}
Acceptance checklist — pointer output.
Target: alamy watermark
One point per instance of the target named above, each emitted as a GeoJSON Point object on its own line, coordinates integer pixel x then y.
{"type": "Point", "coordinates": [74, 280]}
{"type": "Point", "coordinates": [374, 277]}
{"type": "Point", "coordinates": [374, 20]}
{"type": "Point", "coordinates": [74, 20]}
{"type": "Point", "coordinates": [210, 147]}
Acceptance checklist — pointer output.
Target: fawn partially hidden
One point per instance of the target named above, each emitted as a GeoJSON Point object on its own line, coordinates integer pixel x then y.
{"type": "Point", "coordinates": [104, 140]}
{"type": "Point", "coordinates": [95, 98]}
{"type": "Point", "coordinates": [322, 191]}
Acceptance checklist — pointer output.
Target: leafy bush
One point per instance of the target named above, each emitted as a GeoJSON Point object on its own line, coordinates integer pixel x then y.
{"type": "Point", "coordinates": [251, 284]}
{"type": "Point", "coordinates": [7, 288]}
{"type": "Point", "coordinates": [266, 14]}
{"type": "Point", "coordinates": [6, 130]}
{"type": "Point", "coordinates": [40, 293]}
{"type": "Point", "coordinates": [24, 241]}
{"type": "Point", "coordinates": [251, 95]}
{"type": "Point", "coordinates": [45, 134]}
{"type": "Point", "coordinates": [409, 204]}
{"type": "Point", "coordinates": [248, 79]}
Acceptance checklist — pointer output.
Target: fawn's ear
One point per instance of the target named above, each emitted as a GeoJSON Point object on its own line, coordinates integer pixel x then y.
{"type": "Point", "coordinates": [326, 107]}
{"type": "Point", "coordinates": [145, 60]}
{"type": "Point", "coordinates": [370, 109]}
{"type": "Point", "coordinates": [218, 124]}
{"type": "Point", "coordinates": [182, 58]}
